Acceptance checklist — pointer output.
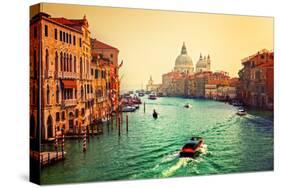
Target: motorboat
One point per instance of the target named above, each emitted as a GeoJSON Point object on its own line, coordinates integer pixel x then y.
{"type": "Point", "coordinates": [241, 112]}
{"type": "Point", "coordinates": [136, 106]}
{"type": "Point", "coordinates": [152, 96]}
{"type": "Point", "coordinates": [192, 147]}
{"type": "Point", "coordinates": [141, 94]}
{"type": "Point", "coordinates": [128, 109]}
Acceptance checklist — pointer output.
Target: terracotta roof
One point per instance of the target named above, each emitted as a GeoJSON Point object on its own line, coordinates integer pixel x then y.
{"type": "Point", "coordinates": [76, 24]}
{"type": "Point", "coordinates": [96, 44]}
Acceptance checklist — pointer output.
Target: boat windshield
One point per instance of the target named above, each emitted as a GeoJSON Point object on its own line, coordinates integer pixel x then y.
{"type": "Point", "coordinates": [190, 145]}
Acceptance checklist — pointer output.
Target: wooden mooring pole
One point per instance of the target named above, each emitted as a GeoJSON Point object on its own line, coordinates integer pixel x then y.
{"type": "Point", "coordinates": [127, 122]}
{"type": "Point", "coordinates": [62, 143]}
{"type": "Point", "coordinates": [144, 107]}
{"type": "Point", "coordinates": [88, 133]}
{"type": "Point", "coordinates": [84, 139]}
{"type": "Point", "coordinates": [119, 126]}
{"type": "Point", "coordinates": [56, 144]}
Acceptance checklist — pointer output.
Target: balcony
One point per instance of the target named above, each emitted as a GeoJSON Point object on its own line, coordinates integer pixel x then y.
{"type": "Point", "coordinates": [101, 99]}
{"type": "Point", "coordinates": [67, 75]}
{"type": "Point", "coordinates": [70, 102]}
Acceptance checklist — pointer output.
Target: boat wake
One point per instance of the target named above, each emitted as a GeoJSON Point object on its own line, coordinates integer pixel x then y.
{"type": "Point", "coordinates": [183, 162]}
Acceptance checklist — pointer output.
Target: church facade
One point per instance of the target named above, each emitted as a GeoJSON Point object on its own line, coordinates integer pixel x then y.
{"type": "Point", "coordinates": [176, 82]}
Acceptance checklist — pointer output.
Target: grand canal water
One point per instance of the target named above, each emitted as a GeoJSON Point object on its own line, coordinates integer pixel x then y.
{"type": "Point", "coordinates": [150, 149]}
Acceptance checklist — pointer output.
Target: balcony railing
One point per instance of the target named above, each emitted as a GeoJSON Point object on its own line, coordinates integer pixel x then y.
{"type": "Point", "coordinates": [70, 102]}
{"type": "Point", "coordinates": [101, 99]}
{"type": "Point", "coordinates": [67, 75]}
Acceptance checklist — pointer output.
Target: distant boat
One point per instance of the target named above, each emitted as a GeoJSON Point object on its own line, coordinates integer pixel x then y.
{"type": "Point", "coordinates": [141, 94]}
{"type": "Point", "coordinates": [128, 109]}
{"type": "Point", "coordinates": [188, 106]}
{"type": "Point", "coordinates": [241, 112]}
{"type": "Point", "coordinates": [152, 96]}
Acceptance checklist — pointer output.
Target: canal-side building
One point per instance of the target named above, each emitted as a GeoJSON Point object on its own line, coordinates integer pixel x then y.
{"type": "Point", "coordinates": [62, 76]}
{"type": "Point", "coordinates": [59, 54]}
{"type": "Point", "coordinates": [200, 80]}
{"type": "Point", "coordinates": [100, 71]}
{"type": "Point", "coordinates": [108, 53]}
{"type": "Point", "coordinates": [256, 78]}
{"type": "Point", "coordinates": [174, 84]}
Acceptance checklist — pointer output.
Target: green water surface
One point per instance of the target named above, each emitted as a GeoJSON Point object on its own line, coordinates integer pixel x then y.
{"type": "Point", "coordinates": [150, 149]}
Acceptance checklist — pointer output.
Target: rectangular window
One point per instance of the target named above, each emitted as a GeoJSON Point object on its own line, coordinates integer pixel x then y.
{"type": "Point", "coordinates": [57, 116]}
{"type": "Point", "coordinates": [70, 38]}
{"type": "Point", "coordinates": [63, 36]}
{"type": "Point", "coordinates": [46, 30]}
{"type": "Point", "coordinates": [80, 42]}
{"type": "Point", "coordinates": [74, 40]}
{"type": "Point", "coordinates": [63, 115]}
{"type": "Point", "coordinates": [92, 72]}
{"type": "Point", "coordinates": [66, 37]}
{"type": "Point", "coordinates": [60, 35]}
{"type": "Point", "coordinates": [56, 34]}
{"type": "Point", "coordinates": [96, 74]}
{"type": "Point", "coordinates": [35, 32]}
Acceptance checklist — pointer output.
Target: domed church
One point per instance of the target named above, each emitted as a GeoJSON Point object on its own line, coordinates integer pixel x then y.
{"type": "Point", "coordinates": [203, 64]}
{"type": "Point", "coordinates": [184, 62]}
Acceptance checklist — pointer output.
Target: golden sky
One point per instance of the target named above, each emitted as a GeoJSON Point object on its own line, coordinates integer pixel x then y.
{"type": "Point", "coordinates": [150, 40]}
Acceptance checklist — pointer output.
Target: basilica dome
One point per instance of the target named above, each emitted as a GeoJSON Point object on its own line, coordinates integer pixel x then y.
{"type": "Point", "coordinates": [184, 62]}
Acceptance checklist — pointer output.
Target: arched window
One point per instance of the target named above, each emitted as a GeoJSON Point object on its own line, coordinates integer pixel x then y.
{"type": "Point", "coordinates": [47, 59]}
{"type": "Point", "coordinates": [82, 93]}
{"type": "Point", "coordinates": [67, 63]}
{"type": "Point", "coordinates": [58, 95]}
{"type": "Point", "coordinates": [56, 62]}
{"type": "Point", "coordinates": [70, 63]}
{"type": "Point", "coordinates": [85, 90]}
{"type": "Point", "coordinates": [74, 64]}
{"type": "Point", "coordinates": [81, 66]}
{"type": "Point", "coordinates": [61, 61]}
{"type": "Point", "coordinates": [48, 94]}
{"type": "Point", "coordinates": [34, 64]}
{"type": "Point", "coordinates": [64, 62]}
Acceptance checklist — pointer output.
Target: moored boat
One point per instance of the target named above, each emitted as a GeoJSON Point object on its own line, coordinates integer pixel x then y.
{"type": "Point", "coordinates": [128, 109]}
{"type": "Point", "coordinates": [152, 96]}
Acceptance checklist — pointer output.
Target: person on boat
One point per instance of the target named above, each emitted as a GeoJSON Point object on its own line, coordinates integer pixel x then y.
{"type": "Point", "coordinates": [155, 114]}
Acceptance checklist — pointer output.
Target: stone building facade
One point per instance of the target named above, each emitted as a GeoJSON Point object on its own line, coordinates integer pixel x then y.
{"type": "Point", "coordinates": [109, 56]}
{"type": "Point", "coordinates": [256, 79]}
{"type": "Point", "coordinates": [62, 86]}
